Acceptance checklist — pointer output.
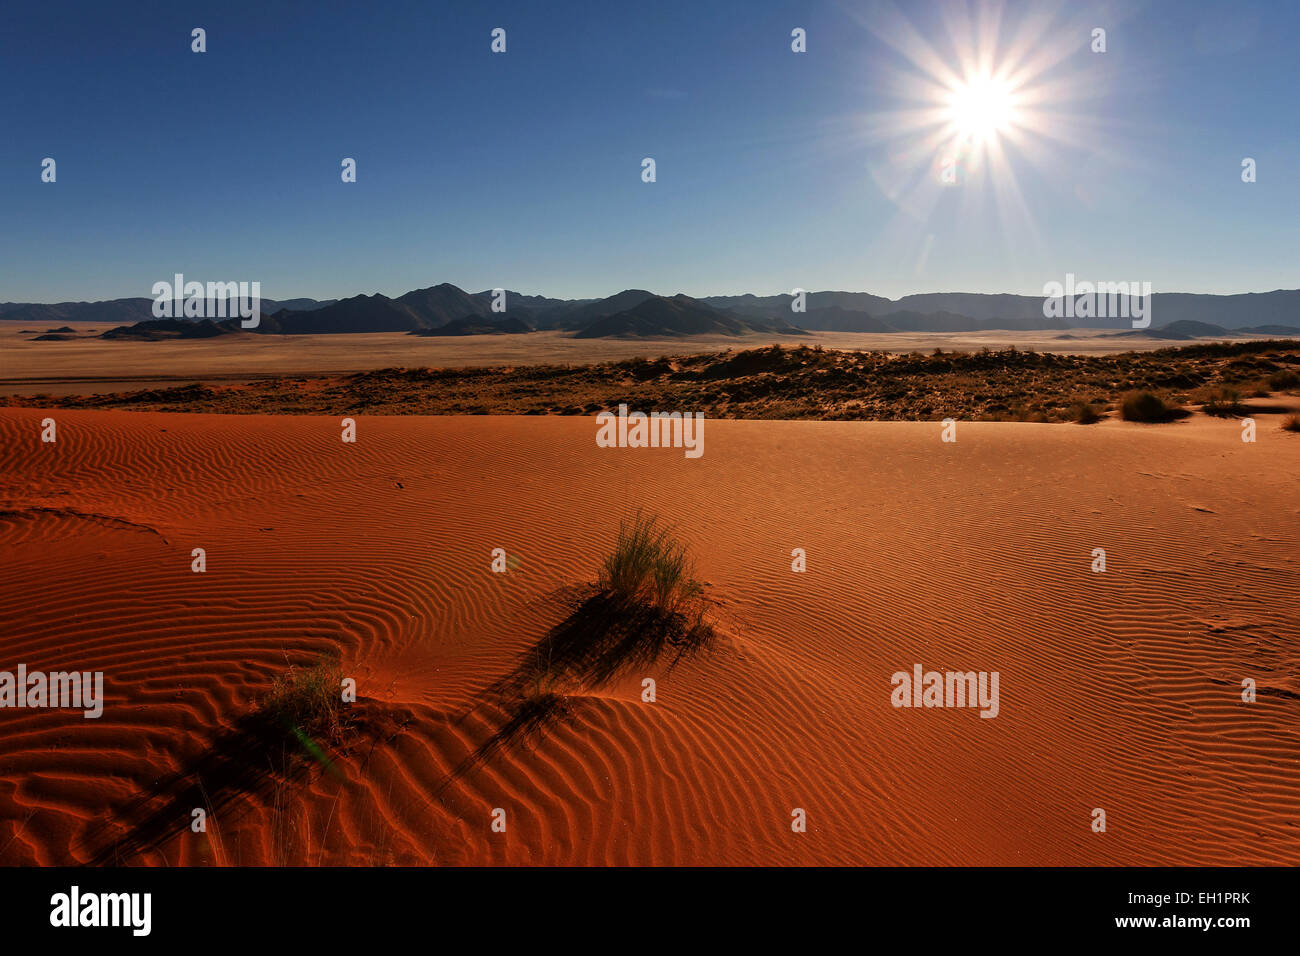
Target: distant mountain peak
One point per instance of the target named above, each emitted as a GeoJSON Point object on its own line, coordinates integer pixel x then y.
{"type": "Point", "coordinates": [643, 312]}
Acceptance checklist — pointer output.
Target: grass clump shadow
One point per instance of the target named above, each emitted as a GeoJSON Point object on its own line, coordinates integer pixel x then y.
{"type": "Point", "coordinates": [646, 607]}
{"type": "Point", "coordinates": [301, 722]}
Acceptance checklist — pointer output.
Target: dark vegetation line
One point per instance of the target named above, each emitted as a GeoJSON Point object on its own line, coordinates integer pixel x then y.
{"type": "Point", "coordinates": [777, 382]}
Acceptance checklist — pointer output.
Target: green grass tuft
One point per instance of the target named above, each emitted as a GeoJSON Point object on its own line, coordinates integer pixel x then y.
{"type": "Point", "coordinates": [650, 567]}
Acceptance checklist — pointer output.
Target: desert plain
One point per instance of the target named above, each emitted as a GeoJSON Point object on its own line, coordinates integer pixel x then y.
{"type": "Point", "coordinates": [1120, 690]}
{"type": "Point", "coordinates": [87, 363]}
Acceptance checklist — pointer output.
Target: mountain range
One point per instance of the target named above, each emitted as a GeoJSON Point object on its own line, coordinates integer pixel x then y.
{"type": "Point", "coordinates": [445, 309]}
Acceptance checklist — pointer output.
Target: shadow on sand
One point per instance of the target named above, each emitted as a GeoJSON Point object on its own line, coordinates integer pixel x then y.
{"type": "Point", "coordinates": [244, 765]}
{"type": "Point", "coordinates": [602, 638]}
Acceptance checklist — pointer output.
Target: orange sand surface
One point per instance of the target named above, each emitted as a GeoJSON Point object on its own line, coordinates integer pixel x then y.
{"type": "Point", "coordinates": [1119, 691]}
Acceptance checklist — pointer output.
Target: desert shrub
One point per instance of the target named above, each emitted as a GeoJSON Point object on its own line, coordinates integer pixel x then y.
{"type": "Point", "coordinates": [1292, 423]}
{"type": "Point", "coordinates": [1147, 407]}
{"type": "Point", "coordinates": [308, 700]}
{"type": "Point", "coordinates": [1284, 379]}
{"type": "Point", "coordinates": [1085, 414]}
{"type": "Point", "coordinates": [649, 566]}
{"type": "Point", "coordinates": [1221, 401]}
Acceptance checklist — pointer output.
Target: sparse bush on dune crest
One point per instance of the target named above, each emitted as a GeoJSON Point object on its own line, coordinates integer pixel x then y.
{"type": "Point", "coordinates": [647, 603]}
{"type": "Point", "coordinates": [650, 567]}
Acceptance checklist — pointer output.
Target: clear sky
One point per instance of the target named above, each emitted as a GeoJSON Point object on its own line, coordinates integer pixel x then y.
{"type": "Point", "coordinates": [774, 170]}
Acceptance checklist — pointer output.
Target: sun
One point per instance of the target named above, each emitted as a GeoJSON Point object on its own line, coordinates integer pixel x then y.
{"type": "Point", "coordinates": [971, 103]}
{"type": "Point", "coordinates": [982, 108]}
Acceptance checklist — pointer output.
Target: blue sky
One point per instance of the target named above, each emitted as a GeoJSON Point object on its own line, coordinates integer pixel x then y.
{"type": "Point", "coordinates": [523, 170]}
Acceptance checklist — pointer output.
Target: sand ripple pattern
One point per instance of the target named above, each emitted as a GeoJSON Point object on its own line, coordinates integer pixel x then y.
{"type": "Point", "coordinates": [1119, 690]}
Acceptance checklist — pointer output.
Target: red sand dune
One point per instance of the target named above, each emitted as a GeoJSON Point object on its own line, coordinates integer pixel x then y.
{"type": "Point", "coordinates": [1118, 690]}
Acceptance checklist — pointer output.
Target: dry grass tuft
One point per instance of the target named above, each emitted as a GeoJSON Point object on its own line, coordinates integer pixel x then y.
{"type": "Point", "coordinates": [308, 701]}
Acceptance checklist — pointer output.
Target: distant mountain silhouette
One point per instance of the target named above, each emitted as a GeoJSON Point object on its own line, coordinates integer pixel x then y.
{"type": "Point", "coordinates": [1025, 312]}
{"type": "Point", "coordinates": [478, 325]}
{"type": "Point", "coordinates": [1183, 329]}
{"type": "Point", "coordinates": [123, 310]}
{"type": "Point", "coordinates": [361, 313]}
{"type": "Point", "coordinates": [115, 310]}
{"type": "Point", "coordinates": [974, 305]}
{"type": "Point", "coordinates": [579, 315]}
{"type": "Point", "coordinates": [517, 301]}
{"type": "Point", "coordinates": [638, 312]}
{"type": "Point", "coordinates": [1281, 307]}
{"type": "Point", "coordinates": [419, 309]}
{"type": "Point", "coordinates": [679, 315]}
{"type": "Point", "coordinates": [835, 318]}
{"type": "Point", "coordinates": [1281, 331]}
{"type": "Point", "coordinates": [301, 305]}
{"type": "Point", "coordinates": [440, 304]}
{"type": "Point", "coordinates": [1190, 329]}
{"type": "Point", "coordinates": [154, 330]}
{"type": "Point", "coordinates": [778, 306]}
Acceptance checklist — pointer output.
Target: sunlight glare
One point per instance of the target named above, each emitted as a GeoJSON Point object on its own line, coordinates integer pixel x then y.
{"type": "Point", "coordinates": [982, 107]}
